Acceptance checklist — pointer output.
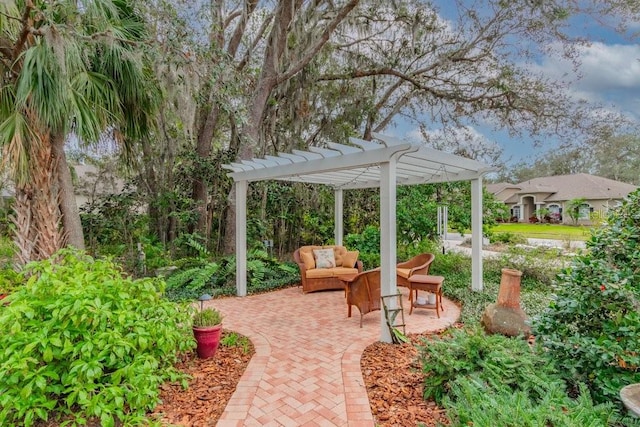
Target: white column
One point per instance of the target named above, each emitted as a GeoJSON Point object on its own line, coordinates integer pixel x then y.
{"type": "Point", "coordinates": [388, 285]}
{"type": "Point", "coordinates": [476, 234]}
{"type": "Point", "coordinates": [338, 224]}
{"type": "Point", "coordinates": [241, 238]}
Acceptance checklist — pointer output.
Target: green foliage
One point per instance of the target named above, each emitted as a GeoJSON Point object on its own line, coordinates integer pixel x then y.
{"type": "Point", "coordinates": [196, 276]}
{"type": "Point", "coordinates": [423, 246]}
{"type": "Point", "coordinates": [592, 325]}
{"type": "Point", "coordinates": [502, 363]}
{"type": "Point", "coordinates": [81, 340]}
{"type": "Point", "coordinates": [508, 238]}
{"type": "Point", "coordinates": [233, 339]}
{"type": "Point", "coordinates": [368, 243]}
{"type": "Point", "coordinates": [573, 208]}
{"type": "Point", "coordinates": [456, 268]}
{"type": "Point", "coordinates": [471, 402]}
{"type": "Point", "coordinates": [416, 213]}
{"type": "Point", "coordinates": [10, 280]}
{"type": "Point", "coordinates": [207, 317]}
{"type": "Point", "coordinates": [492, 380]}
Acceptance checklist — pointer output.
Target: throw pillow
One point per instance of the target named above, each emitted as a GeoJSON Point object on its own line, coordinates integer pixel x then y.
{"type": "Point", "coordinates": [307, 258]}
{"type": "Point", "coordinates": [324, 258]}
{"type": "Point", "coordinates": [350, 259]}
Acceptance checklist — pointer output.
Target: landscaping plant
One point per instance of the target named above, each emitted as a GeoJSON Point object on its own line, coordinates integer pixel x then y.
{"type": "Point", "coordinates": [592, 325]}
{"type": "Point", "coordinates": [493, 380]}
{"type": "Point", "coordinates": [80, 340]}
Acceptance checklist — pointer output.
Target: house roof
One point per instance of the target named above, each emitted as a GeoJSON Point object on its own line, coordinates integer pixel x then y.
{"type": "Point", "coordinates": [567, 187]}
{"type": "Point", "coordinates": [499, 187]}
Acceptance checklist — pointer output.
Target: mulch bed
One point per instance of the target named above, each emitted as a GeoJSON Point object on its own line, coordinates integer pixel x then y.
{"type": "Point", "coordinates": [393, 377]}
{"type": "Point", "coordinates": [213, 382]}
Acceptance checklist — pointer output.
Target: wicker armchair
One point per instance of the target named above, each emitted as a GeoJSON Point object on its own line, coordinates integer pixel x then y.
{"type": "Point", "coordinates": [364, 292]}
{"type": "Point", "coordinates": [419, 264]}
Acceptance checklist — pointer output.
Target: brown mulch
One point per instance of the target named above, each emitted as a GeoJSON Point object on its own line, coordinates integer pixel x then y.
{"type": "Point", "coordinates": [393, 377]}
{"type": "Point", "coordinates": [213, 382]}
{"type": "Point", "coordinates": [391, 374]}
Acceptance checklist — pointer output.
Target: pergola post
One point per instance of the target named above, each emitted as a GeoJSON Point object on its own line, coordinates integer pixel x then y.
{"type": "Point", "coordinates": [388, 284]}
{"type": "Point", "coordinates": [476, 234]}
{"type": "Point", "coordinates": [241, 238]}
{"type": "Point", "coordinates": [338, 212]}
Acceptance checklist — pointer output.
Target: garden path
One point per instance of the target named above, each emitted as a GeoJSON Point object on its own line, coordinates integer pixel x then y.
{"type": "Point", "coordinates": [306, 368]}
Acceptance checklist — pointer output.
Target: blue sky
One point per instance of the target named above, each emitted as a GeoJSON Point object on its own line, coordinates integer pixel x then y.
{"type": "Point", "coordinates": [609, 76]}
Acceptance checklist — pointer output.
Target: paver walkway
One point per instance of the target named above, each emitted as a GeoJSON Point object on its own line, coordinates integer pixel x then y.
{"type": "Point", "coordinates": [306, 369]}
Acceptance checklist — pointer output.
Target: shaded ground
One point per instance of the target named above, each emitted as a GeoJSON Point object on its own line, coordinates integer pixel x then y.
{"type": "Point", "coordinates": [391, 373]}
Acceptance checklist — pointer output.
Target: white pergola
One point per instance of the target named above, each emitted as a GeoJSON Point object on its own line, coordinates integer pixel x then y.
{"type": "Point", "coordinates": [364, 164]}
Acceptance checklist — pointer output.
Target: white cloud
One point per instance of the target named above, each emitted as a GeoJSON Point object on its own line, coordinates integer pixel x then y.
{"type": "Point", "coordinates": [608, 73]}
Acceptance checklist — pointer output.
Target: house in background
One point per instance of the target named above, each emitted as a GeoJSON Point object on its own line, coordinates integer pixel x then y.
{"type": "Point", "coordinates": [555, 192]}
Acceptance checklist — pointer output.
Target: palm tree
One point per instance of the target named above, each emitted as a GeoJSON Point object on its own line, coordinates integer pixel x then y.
{"type": "Point", "coordinates": [66, 66]}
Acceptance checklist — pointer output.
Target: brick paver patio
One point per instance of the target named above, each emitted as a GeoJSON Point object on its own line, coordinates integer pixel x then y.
{"type": "Point", "coordinates": [306, 369]}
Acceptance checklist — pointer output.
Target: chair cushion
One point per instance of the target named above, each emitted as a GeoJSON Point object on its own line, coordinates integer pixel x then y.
{"type": "Point", "coordinates": [307, 258]}
{"type": "Point", "coordinates": [343, 271]}
{"type": "Point", "coordinates": [350, 258]}
{"type": "Point", "coordinates": [338, 252]}
{"type": "Point", "coordinates": [318, 273]}
{"type": "Point", "coordinates": [324, 258]}
{"type": "Point", "coordinates": [403, 272]}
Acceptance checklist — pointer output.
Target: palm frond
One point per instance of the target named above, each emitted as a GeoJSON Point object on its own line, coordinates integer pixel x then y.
{"type": "Point", "coordinates": [16, 138]}
{"type": "Point", "coordinates": [95, 104]}
{"type": "Point", "coordinates": [41, 87]}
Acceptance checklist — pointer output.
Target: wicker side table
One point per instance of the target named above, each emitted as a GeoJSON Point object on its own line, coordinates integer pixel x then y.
{"type": "Point", "coordinates": [428, 283]}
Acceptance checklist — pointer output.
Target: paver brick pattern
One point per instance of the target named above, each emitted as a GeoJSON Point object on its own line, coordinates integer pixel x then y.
{"type": "Point", "coordinates": [306, 369]}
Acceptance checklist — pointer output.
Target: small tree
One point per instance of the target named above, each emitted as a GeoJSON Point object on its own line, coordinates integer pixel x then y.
{"type": "Point", "coordinates": [573, 209]}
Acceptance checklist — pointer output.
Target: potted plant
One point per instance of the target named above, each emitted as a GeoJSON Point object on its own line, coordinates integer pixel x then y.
{"type": "Point", "coordinates": [207, 328]}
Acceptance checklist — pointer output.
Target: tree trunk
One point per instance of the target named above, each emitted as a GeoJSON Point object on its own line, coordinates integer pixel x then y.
{"type": "Point", "coordinates": [66, 195]}
{"type": "Point", "coordinates": [25, 237]}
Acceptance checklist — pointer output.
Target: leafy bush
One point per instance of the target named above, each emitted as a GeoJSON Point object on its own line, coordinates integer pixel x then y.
{"type": "Point", "coordinates": [199, 275]}
{"type": "Point", "coordinates": [502, 363]}
{"type": "Point", "coordinates": [509, 238]}
{"type": "Point", "coordinates": [368, 243]}
{"type": "Point", "coordinates": [233, 339]}
{"type": "Point", "coordinates": [456, 268]}
{"type": "Point", "coordinates": [473, 403]}
{"type": "Point", "coordinates": [80, 340]}
{"type": "Point", "coordinates": [592, 325]}
{"type": "Point", "coordinates": [489, 380]}
{"type": "Point", "coordinates": [207, 317]}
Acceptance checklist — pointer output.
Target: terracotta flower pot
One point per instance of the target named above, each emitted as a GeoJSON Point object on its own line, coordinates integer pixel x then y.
{"type": "Point", "coordinates": [208, 340]}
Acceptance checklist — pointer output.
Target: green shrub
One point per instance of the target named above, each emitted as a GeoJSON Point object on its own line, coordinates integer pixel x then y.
{"type": "Point", "coordinates": [368, 243]}
{"type": "Point", "coordinates": [503, 363]}
{"type": "Point", "coordinates": [233, 339]}
{"type": "Point", "coordinates": [493, 380]}
{"type": "Point", "coordinates": [207, 317]}
{"type": "Point", "coordinates": [197, 276]}
{"type": "Point", "coordinates": [80, 340]}
{"type": "Point", "coordinates": [471, 402]}
{"type": "Point", "coordinates": [509, 238]}
{"type": "Point", "coordinates": [593, 324]}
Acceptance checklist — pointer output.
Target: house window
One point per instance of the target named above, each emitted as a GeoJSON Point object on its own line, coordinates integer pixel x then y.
{"type": "Point", "coordinates": [515, 213]}
{"type": "Point", "coordinates": [584, 211]}
{"type": "Point", "coordinates": [555, 213]}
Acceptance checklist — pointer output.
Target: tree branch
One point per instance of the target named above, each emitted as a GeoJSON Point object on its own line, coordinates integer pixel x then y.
{"type": "Point", "coordinates": [26, 28]}
{"type": "Point", "coordinates": [322, 40]}
{"type": "Point", "coordinates": [256, 40]}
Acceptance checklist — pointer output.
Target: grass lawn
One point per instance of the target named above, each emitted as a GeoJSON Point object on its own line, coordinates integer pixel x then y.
{"type": "Point", "coordinates": [546, 231]}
